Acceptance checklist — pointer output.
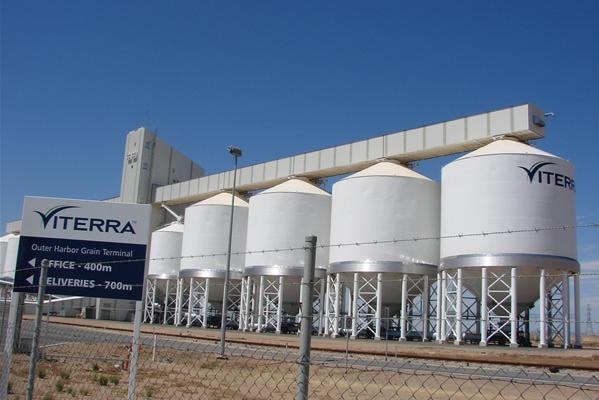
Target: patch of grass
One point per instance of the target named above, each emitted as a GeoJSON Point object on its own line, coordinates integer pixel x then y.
{"type": "Point", "coordinates": [149, 391]}
{"type": "Point", "coordinates": [83, 391]}
{"type": "Point", "coordinates": [41, 373]}
{"type": "Point", "coordinates": [65, 375]}
{"type": "Point", "coordinates": [102, 380]}
{"type": "Point", "coordinates": [113, 379]}
{"type": "Point", "coordinates": [59, 385]}
{"type": "Point", "coordinates": [71, 391]}
{"type": "Point", "coordinates": [47, 396]}
{"type": "Point", "coordinates": [95, 367]}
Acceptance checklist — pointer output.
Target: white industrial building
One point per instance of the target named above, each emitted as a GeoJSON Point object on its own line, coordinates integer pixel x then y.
{"type": "Point", "coordinates": [448, 261]}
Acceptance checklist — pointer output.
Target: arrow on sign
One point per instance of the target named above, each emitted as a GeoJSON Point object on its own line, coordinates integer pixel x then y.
{"type": "Point", "coordinates": [30, 280]}
{"type": "Point", "coordinates": [32, 262]}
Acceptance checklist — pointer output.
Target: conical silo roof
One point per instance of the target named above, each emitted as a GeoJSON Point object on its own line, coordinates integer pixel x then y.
{"type": "Point", "coordinates": [506, 146]}
{"type": "Point", "coordinates": [387, 168]}
{"type": "Point", "coordinates": [296, 186]}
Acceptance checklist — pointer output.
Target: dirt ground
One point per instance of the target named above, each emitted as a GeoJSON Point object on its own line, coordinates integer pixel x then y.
{"type": "Point", "coordinates": [94, 371]}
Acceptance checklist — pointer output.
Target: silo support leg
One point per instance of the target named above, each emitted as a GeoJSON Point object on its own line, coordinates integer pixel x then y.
{"type": "Point", "coordinates": [190, 302]}
{"type": "Point", "coordinates": [566, 311]}
{"type": "Point", "coordinates": [327, 308]}
{"type": "Point", "coordinates": [484, 308]}
{"type": "Point", "coordinates": [425, 308]}
{"type": "Point", "coordinates": [403, 313]}
{"type": "Point", "coordinates": [337, 305]}
{"type": "Point", "coordinates": [280, 305]}
{"type": "Point", "coordinates": [322, 296]}
{"type": "Point", "coordinates": [439, 311]}
{"type": "Point", "coordinates": [514, 308]}
{"type": "Point", "coordinates": [379, 306]}
{"type": "Point", "coordinates": [356, 292]}
{"type": "Point", "coordinates": [205, 303]}
{"type": "Point", "coordinates": [260, 304]}
{"type": "Point", "coordinates": [442, 337]}
{"type": "Point", "coordinates": [458, 311]}
{"type": "Point", "coordinates": [179, 302]}
{"type": "Point", "coordinates": [577, 321]}
{"type": "Point", "coordinates": [542, 310]}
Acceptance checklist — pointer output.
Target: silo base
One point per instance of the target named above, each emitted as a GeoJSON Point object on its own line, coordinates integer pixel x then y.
{"type": "Point", "coordinates": [160, 300]}
{"type": "Point", "coordinates": [405, 318]}
{"type": "Point", "coordinates": [499, 316]}
{"type": "Point", "coordinates": [263, 307]}
{"type": "Point", "coordinates": [199, 301]}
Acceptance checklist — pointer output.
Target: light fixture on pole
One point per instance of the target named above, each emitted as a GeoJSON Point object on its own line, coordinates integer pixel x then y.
{"type": "Point", "coordinates": [236, 153]}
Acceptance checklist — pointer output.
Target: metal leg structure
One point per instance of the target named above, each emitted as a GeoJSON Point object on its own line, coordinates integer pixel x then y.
{"type": "Point", "coordinates": [234, 300]}
{"type": "Point", "coordinates": [417, 298]}
{"type": "Point", "coordinates": [451, 301]}
{"type": "Point", "coordinates": [150, 300]}
{"type": "Point", "coordinates": [364, 300]}
{"type": "Point", "coordinates": [498, 310]}
{"type": "Point", "coordinates": [557, 310]}
{"type": "Point", "coordinates": [333, 305]}
{"type": "Point", "coordinates": [245, 304]}
{"type": "Point", "coordinates": [182, 300]}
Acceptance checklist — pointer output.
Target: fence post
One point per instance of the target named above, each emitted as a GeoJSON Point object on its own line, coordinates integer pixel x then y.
{"type": "Point", "coordinates": [9, 339]}
{"type": "Point", "coordinates": [38, 322]}
{"type": "Point", "coordinates": [303, 377]}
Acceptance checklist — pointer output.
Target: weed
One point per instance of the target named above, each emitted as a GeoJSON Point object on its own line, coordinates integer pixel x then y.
{"type": "Point", "coordinates": [41, 373]}
{"type": "Point", "coordinates": [65, 375]}
{"type": "Point", "coordinates": [83, 391]}
{"type": "Point", "coordinates": [149, 391]}
{"type": "Point", "coordinates": [47, 396]}
{"type": "Point", "coordinates": [9, 389]}
{"type": "Point", "coordinates": [95, 367]}
{"type": "Point", "coordinates": [59, 385]}
{"type": "Point", "coordinates": [102, 380]}
{"type": "Point", "coordinates": [113, 379]}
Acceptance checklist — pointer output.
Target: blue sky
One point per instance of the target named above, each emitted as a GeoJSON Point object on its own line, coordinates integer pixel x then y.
{"type": "Point", "coordinates": [278, 78]}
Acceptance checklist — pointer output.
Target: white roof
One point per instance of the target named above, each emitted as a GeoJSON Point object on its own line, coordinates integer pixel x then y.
{"type": "Point", "coordinates": [173, 227]}
{"type": "Point", "coordinates": [387, 168]}
{"type": "Point", "coordinates": [296, 186]}
{"type": "Point", "coordinates": [6, 237]}
{"type": "Point", "coordinates": [506, 146]}
{"type": "Point", "coordinates": [222, 199]}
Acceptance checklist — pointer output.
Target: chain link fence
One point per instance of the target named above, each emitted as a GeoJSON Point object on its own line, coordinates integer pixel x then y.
{"type": "Point", "coordinates": [79, 361]}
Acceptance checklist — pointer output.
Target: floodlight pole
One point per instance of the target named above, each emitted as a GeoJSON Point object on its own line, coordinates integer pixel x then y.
{"type": "Point", "coordinates": [236, 153]}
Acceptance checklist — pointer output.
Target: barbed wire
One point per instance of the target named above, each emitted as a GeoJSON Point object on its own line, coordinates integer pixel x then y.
{"type": "Point", "coordinates": [339, 245]}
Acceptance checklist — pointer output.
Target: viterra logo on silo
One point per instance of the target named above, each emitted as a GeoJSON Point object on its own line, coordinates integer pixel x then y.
{"type": "Point", "coordinates": [537, 175]}
{"type": "Point", "coordinates": [51, 220]}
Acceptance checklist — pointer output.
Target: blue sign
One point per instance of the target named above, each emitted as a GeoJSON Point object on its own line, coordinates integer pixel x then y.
{"type": "Point", "coordinates": [92, 249]}
{"type": "Point", "coordinates": [81, 268]}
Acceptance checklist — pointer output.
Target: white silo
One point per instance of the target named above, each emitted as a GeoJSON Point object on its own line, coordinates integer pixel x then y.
{"type": "Point", "coordinates": [373, 212]}
{"type": "Point", "coordinates": [163, 271]}
{"type": "Point", "coordinates": [280, 218]}
{"type": "Point", "coordinates": [10, 259]}
{"type": "Point", "coordinates": [3, 250]}
{"type": "Point", "coordinates": [204, 259]}
{"type": "Point", "coordinates": [500, 205]}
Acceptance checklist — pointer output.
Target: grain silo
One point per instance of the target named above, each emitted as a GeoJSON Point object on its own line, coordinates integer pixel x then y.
{"type": "Point", "coordinates": [204, 260]}
{"type": "Point", "coordinates": [280, 218]}
{"type": "Point", "coordinates": [4, 288]}
{"type": "Point", "coordinates": [499, 210]}
{"type": "Point", "coordinates": [163, 271]}
{"type": "Point", "coordinates": [10, 258]}
{"type": "Point", "coordinates": [381, 223]}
